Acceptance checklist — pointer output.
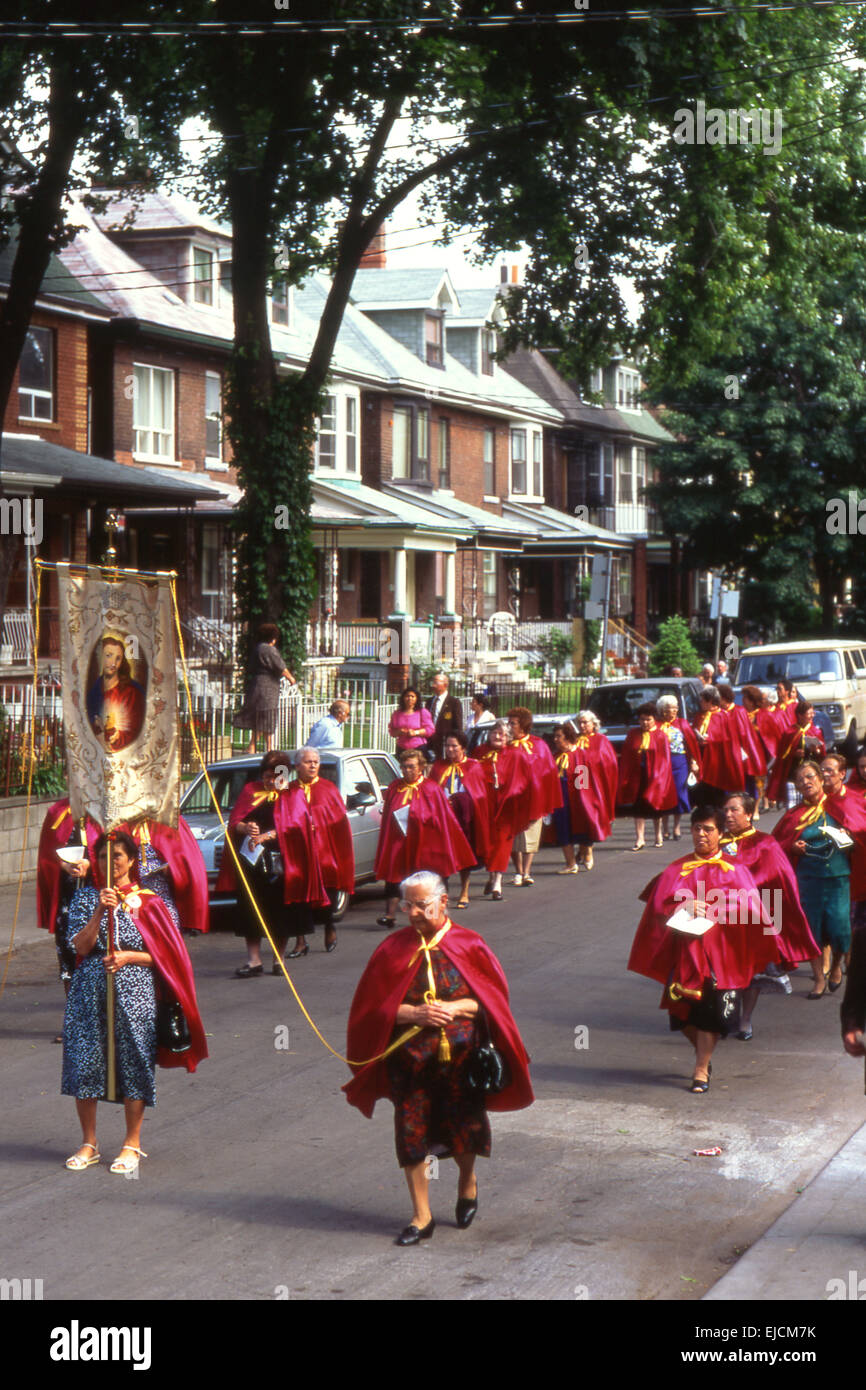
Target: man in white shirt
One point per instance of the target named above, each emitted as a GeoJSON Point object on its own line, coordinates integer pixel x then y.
{"type": "Point", "coordinates": [327, 732]}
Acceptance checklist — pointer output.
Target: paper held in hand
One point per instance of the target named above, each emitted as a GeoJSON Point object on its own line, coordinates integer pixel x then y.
{"type": "Point", "coordinates": [402, 818]}
{"type": "Point", "coordinates": [683, 921]}
{"type": "Point", "coordinates": [840, 837]}
{"type": "Point", "coordinates": [252, 853]}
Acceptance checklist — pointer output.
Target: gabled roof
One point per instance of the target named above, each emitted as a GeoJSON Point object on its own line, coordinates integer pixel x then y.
{"type": "Point", "coordinates": [155, 212]}
{"type": "Point", "coordinates": [538, 373]}
{"type": "Point", "coordinates": [477, 306]}
{"type": "Point", "coordinates": [558, 532]}
{"type": "Point", "coordinates": [402, 289]}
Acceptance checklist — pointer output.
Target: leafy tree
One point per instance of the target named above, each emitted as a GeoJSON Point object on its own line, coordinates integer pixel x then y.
{"type": "Point", "coordinates": [674, 648]}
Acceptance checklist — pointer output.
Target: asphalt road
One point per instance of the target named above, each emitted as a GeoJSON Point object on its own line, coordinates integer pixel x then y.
{"type": "Point", "coordinates": [263, 1183]}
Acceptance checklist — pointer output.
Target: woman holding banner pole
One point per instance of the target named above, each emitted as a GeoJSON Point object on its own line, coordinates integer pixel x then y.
{"type": "Point", "coordinates": [138, 958]}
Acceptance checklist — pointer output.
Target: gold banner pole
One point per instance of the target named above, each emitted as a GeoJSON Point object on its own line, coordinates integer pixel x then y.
{"type": "Point", "coordinates": [110, 997]}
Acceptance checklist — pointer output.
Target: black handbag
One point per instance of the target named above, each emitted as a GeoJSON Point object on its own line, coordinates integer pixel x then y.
{"type": "Point", "coordinates": [487, 1071]}
{"type": "Point", "coordinates": [172, 1029]}
{"type": "Point", "coordinates": [272, 863]}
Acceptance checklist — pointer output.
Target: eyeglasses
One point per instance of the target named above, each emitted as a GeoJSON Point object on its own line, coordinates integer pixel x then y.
{"type": "Point", "coordinates": [406, 906]}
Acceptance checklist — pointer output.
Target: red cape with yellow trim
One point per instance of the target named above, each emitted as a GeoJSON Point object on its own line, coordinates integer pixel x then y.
{"type": "Point", "coordinates": [731, 952]}
{"type": "Point", "coordinates": [475, 786]}
{"type": "Point", "coordinates": [382, 989]}
{"type": "Point", "coordinates": [770, 867]}
{"type": "Point", "coordinates": [660, 791]}
{"type": "Point", "coordinates": [433, 838]}
{"type": "Point", "coordinates": [593, 807]}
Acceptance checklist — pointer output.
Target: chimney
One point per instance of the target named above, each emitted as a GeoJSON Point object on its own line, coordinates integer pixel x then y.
{"type": "Point", "coordinates": [374, 257]}
{"type": "Point", "coordinates": [509, 274]}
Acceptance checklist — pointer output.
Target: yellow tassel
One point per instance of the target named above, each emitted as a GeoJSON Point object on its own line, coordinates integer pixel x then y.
{"type": "Point", "coordinates": [444, 1047]}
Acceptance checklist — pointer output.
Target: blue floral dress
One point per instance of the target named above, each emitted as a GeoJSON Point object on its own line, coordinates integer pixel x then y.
{"type": "Point", "coordinates": [84, 1024]}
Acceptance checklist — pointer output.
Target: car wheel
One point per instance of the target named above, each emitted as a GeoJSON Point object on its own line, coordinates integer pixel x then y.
{"type": "Point", "coordinates": [341, 905]}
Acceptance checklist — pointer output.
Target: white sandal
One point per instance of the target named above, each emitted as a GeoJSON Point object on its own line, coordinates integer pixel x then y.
{"type": "Point", "coordinates": [128, 1165]}
{"type": "Point", "coordinates": [77, 1163]}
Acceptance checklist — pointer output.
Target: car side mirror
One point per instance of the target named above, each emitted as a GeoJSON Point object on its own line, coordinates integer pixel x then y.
{"type": "Point", "coordinates": [362, 797]}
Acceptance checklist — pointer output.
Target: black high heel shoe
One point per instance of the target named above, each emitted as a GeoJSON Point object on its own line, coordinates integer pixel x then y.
{"type": "Point", "coordinates": [410, 1235]}
{"type": "Point", "coordinates": [293, 955]}
{"type": "Point", "coordinates": [331, 945]}
{"type": "Point", "coordinates": [466, 1209]}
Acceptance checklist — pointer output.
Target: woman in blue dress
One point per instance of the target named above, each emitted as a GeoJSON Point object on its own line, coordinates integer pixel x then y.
{"type": "Point", "coordinates": [84, 1028]}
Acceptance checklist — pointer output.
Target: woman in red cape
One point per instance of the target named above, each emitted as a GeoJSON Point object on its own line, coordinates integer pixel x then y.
{"type": "Point", "coordinates": [766, 733]}
{"type": "Point", "coordinates": [755, 761]}
{"type": "Point", "coordinates": [722, 763]}
{"type": "Point", "coordinates": [464, 783]}
{"type": "Point", "coordinates": [701, 974]}
{"type": "Point", "coordinates": [646, 781]}
{"type": "Point", "coordinates": [506, 775]}
{"type": "Point", "coordinates": [434, 996]}
{"type": "Point", "coordinates": [800, 743]}
{"type": "Point", "coordinates": [857, 781]}
{"type": "Point", "coordinates": [261, 813]}
{"type": "Point", "coordinates": [146, 955]}
{"type": "Point", "coordinates": [592, 792]}
{"type": "Point", "coordinates": [685, 758]}
{"type": "Point", "coordinates": [318, 852]}
{"type": "Point", "coordinates": [433, 836]}
{"type": "Point", "coordinates": [770, 867]}
{"type": "Point", "coordinates": [542, 794]}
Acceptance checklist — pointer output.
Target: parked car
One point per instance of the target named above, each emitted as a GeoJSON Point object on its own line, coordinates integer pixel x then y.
{"type": "Point", "coordinates": [615, 702]}
{"type": "Point", "coordinates": [831, 675]}
{"type": "Point", "coordinates": [361, 774]}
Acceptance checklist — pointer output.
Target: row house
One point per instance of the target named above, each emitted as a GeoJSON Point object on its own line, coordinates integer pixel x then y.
{"type": "Point", "coordinates": [57, 482]}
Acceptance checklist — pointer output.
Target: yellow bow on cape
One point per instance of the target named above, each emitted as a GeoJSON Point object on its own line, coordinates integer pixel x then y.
{"type": "Point", "coordinates": [699, 863]}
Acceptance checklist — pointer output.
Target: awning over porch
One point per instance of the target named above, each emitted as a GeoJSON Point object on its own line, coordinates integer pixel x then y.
{"type": "Point", "coordinates": [551, 534]}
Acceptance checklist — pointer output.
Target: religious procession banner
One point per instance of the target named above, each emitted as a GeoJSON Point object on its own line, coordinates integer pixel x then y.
{"type": "Point", "coordinates": [120, 715]}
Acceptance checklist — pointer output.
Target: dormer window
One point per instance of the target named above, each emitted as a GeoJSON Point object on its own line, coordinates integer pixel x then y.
{"type": "Point", "coordinates": [281, 305]}
{"type": "Point", "coordinates": [433, 339]}
{"type": "Point", "coordinates": [488, 349]}
{"type": "Point", "coordinates": [203, 274]}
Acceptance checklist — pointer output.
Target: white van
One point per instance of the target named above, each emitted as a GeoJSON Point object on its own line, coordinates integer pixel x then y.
{"type": "Point", "coordinates": [831, 675]}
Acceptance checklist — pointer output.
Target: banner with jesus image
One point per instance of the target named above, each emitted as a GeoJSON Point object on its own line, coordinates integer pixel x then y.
{"type": "Point", "coordinates": [118, 668]}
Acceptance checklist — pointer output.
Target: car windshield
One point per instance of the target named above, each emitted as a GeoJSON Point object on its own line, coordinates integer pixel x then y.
{"type": "Point", "coordinates": [228, 783]}
{"type": "Point", "coordinates": [617, 704]}
{"type": "Point", "coordinates": [770, 667]}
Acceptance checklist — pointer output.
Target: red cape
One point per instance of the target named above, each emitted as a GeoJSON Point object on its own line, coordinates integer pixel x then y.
{"type": "Point", "coordinates": [731, 952]}
{"type": "Point", "coordinates": [507, 777]}
{"type": "Point", "coordinates": [661, 793]}
{"type": "Point", "coordinates": [433, 839]}
{"type": "Point", "coordinates": [690, 738]}
{"type": "Point", "coordinates": [382, 989]}
{"type": "Point", "coordinates": [593, 807]}
{"type": "Point", "coordinates": [542, 794]}
{"type": "Point", "coordinates": [756, 760]}
{"type": "Point", "coordinates": [175, 978]}
{"type": "Point", "coordinates": [790, 748]}
{"type": "Point", "coordinates": [721, 762]}
{"type": "Point", "coordinates": [764, 721]}
{"type": "Point", "coordinates": [475, 785]}
{"type": "Point", "coordinates": [850, 811]}
{"type": "Point", "coordinates": [177, 848]}
{"type": "Point", "coordinates": [315, 841]}
{"type": "Point", "coordinates": [771, 869]}
{"type": "Point", "coordinates": [785, 715]}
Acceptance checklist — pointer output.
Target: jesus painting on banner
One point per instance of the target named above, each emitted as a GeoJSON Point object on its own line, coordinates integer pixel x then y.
{"type": "Point", "coordinates": [115, 702]}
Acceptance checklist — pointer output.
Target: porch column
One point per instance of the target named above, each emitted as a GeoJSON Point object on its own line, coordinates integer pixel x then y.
{"type": "Point", "coordinates": [400, 577]}
{"type": "Point", "coordinates": [450, 584]}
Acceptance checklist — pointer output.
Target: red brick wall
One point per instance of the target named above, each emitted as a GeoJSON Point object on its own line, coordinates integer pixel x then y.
{"type": "Point", "coordinates": [466, 441]}
{"type": "Point", "coordinates": [69, 426]}
{"type": "Point", "coordinates": [189, 401]}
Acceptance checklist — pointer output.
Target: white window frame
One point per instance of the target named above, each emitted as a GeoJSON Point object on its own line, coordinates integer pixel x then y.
{"type": "Point", "coordinates": [212, 280]}
{"type": "Point", "coordinates": [340, 395]}
{"type": "Point", "coordinates": [215, 462]}
{"type": "Point", "coordinates": [489, 435]}
{"type": "Point", "coordinates": [169, 458]}
{"type": "Point", "coordinates": [537, 463]}
{"type": "Point", "coordinates": [512, 434]}
{"type": "Point", "coordinates": [36, 393]}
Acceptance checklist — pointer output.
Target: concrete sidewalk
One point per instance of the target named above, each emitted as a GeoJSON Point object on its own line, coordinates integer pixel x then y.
{"type": "Point", "coordinates": [26, 930]}
{"type": "Point", "coordinates": [816, 1250]}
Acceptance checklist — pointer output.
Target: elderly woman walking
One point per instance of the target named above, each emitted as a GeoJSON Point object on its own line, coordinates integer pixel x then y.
{"type": "Point", "coordinates": [430, 994]}
{"type": "Point", "coordinates": [418, 827]}
{"type": "Point", "coordinates": [685, 757]}
{"type": "Point", "coordinates": [145, 954]}
{"type": "Point", "coordinates": [593, 787]}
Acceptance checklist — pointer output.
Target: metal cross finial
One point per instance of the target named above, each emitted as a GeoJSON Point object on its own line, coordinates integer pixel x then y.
{"type": "Point", "coordinates": [112, 526]}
